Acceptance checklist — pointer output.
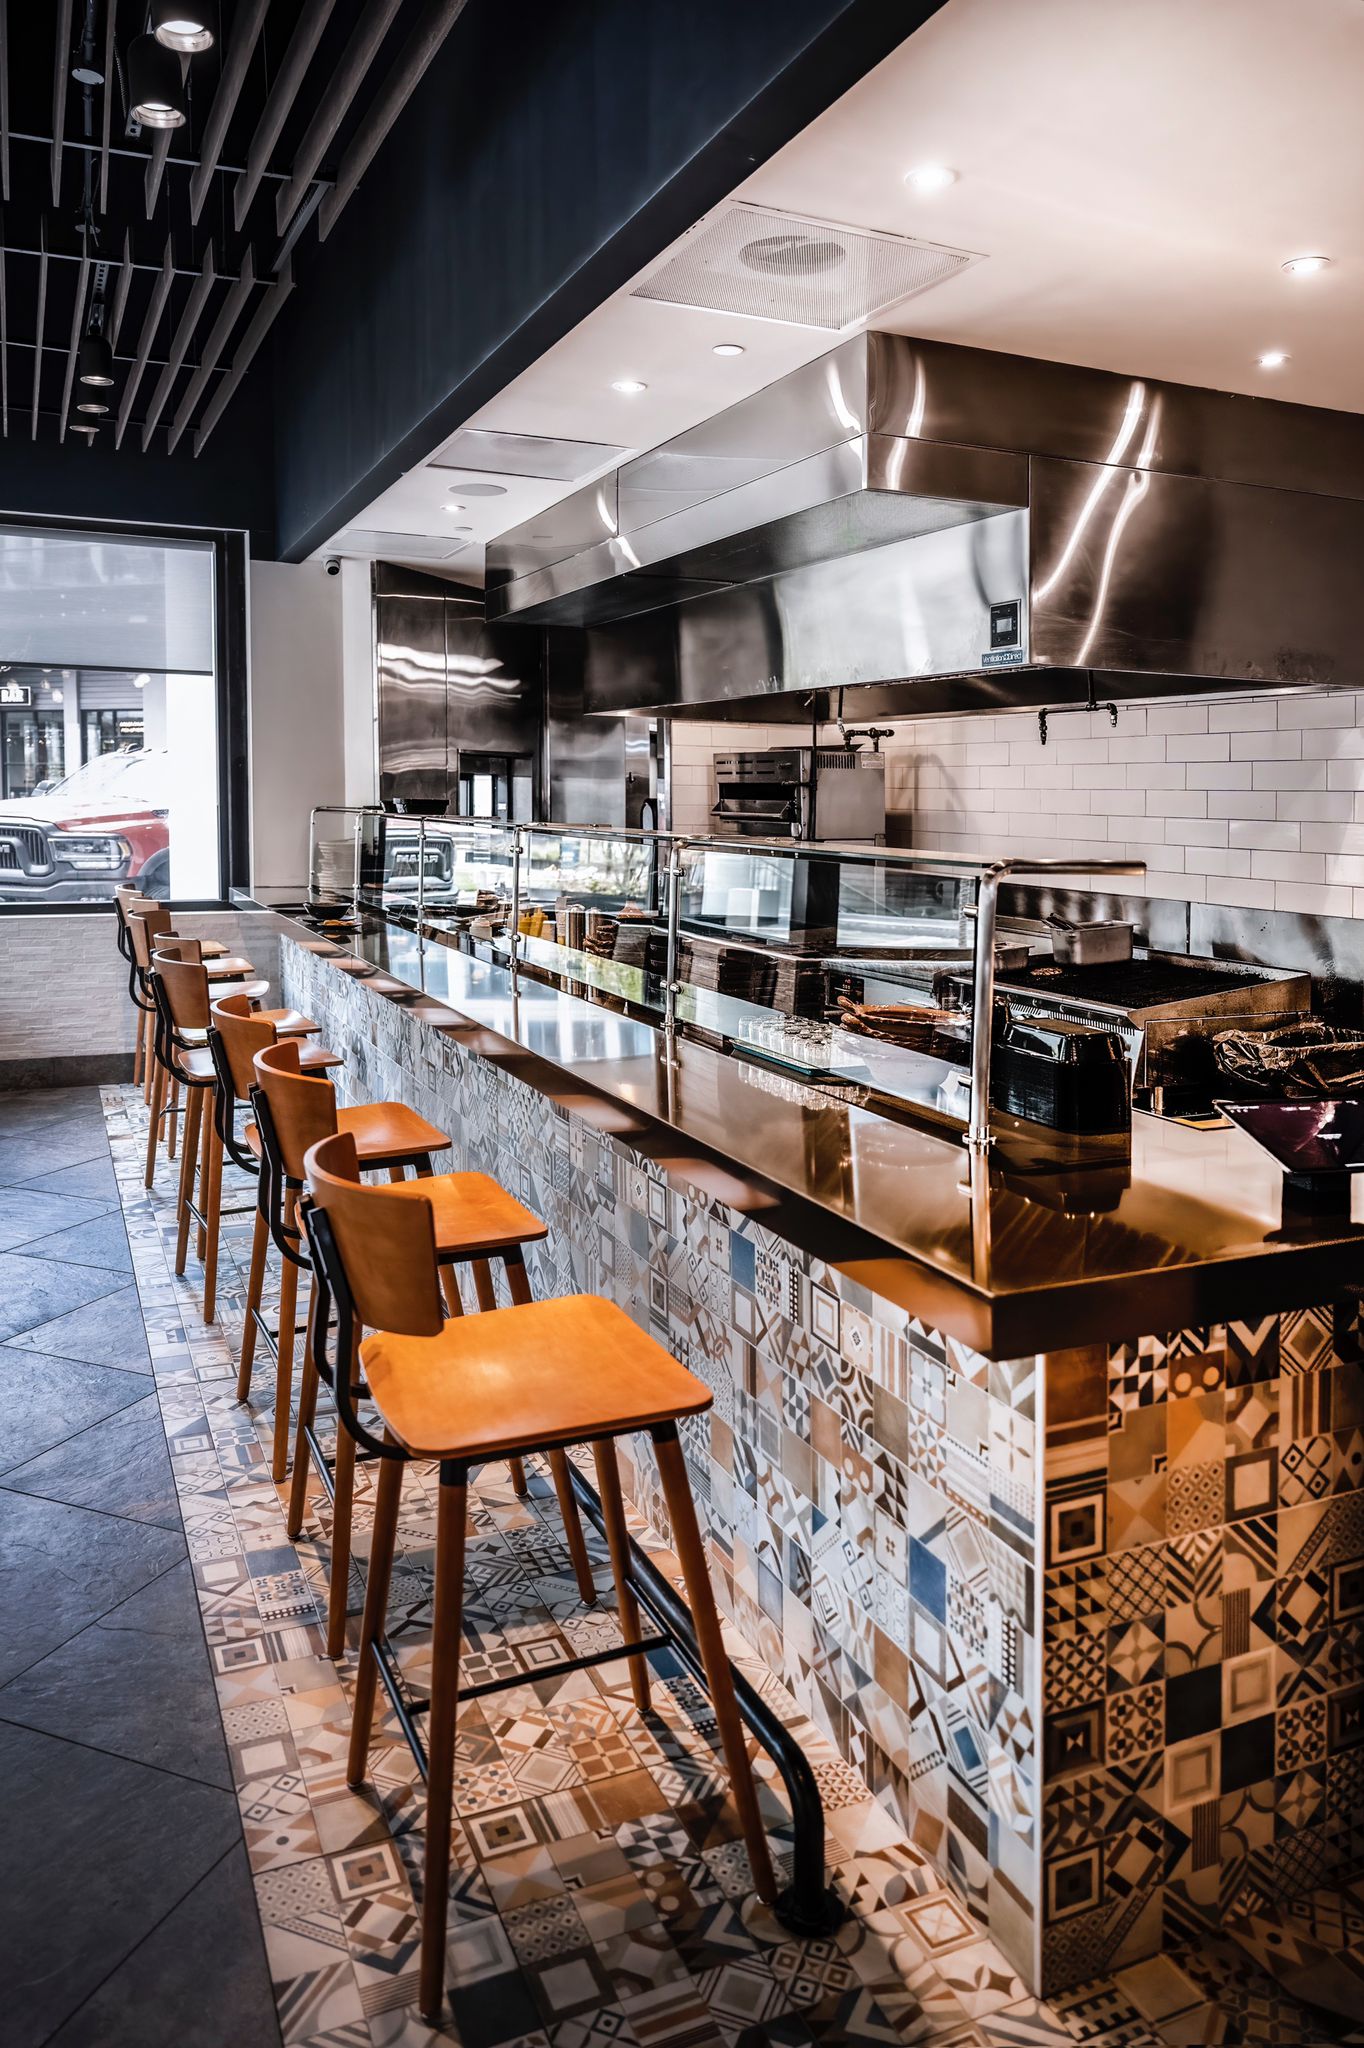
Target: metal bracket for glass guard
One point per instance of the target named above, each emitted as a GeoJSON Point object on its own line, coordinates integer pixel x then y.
{"type": "Point", "coordinates": [978, 1133]}
{"type": "Point", "coordinates": [671, 986]}
{"type": "Point", "coordinates": [809, 1905]}
{"type": "Point", "coordinates": [518, 837]}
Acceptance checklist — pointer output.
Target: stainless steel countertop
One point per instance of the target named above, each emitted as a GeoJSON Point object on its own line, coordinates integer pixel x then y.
{"type": "Point", "coordinates": [1017, 1253]}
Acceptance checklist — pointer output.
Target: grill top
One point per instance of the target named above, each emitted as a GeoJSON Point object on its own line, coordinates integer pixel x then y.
{"type": "Point", "coordinates": [1130, 984]}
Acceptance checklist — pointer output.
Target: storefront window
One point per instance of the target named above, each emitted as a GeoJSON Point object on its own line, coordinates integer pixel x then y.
{"type": "Point", "coordinates": [108, 718]}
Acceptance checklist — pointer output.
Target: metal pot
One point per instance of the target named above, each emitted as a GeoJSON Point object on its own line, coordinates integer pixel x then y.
{"type": "Point", "coordinates": [1089, 945]}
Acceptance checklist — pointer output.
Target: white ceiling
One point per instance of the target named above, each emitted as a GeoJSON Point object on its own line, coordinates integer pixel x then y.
{"type": "Point", "coordinates": [1134, 173]}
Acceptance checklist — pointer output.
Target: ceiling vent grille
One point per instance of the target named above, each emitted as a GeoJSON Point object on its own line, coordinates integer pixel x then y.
{"type": "Point", "coordinates": [538, 455]}
{"type": "Point", "coordinates": [402, 547]}
{"type": "Point", "coordinates": [776, 266]}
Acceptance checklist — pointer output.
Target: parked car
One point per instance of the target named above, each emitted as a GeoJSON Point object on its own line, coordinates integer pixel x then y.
{"type": "Point", "coordinates": [102, 825]}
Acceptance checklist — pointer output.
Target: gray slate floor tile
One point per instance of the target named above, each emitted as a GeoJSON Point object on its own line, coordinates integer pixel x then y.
{"type": "Point", "coordinates": [109, 1331]}
{"type": "Point", "coordinates": [62, 1567]}
{"type": "Point", "coordinates": [198, 1980]}
{"type": "Point", "coordinates": [45, 1400]}
{"type": "Point", "coordinates": [33, 1291]}
{"type": "Point", "coordinates": [103, 1242]}
{"type": "Point", "coordinates": [26, 1213]}
{"type": "Point", "coordinates": [137, 1682]}
{"type": "Point", "coordinates": [104, 1850]}
{"type": "Point", "coordinates": [44, 1149]}
{"type": "Point", "coordinates": [94, 1178]}
{"type": "Point", "coordinates": [120, 1465]}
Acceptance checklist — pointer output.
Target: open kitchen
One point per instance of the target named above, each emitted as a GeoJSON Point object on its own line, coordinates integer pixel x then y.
{"type": "Point", "coordinates": [741, 1125]}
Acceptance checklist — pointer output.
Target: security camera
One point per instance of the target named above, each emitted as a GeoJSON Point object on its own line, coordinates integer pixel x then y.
{"type": "Point", "coordinates": [332, 565]}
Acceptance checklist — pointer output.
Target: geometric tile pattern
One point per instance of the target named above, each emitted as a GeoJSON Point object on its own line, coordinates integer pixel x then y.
{"type": "Point", "coordinates": [1212, 1490]}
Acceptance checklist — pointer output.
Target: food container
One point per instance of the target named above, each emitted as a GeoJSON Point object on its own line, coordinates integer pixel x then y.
{"type": "Point", "coordinates": [1090, 945]}
{"type": "Point", "coordinates": [1064, 1074]}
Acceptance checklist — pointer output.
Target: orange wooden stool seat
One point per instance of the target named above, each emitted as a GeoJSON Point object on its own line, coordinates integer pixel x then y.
{"type": "Point", "coordinates": [537, 1376]}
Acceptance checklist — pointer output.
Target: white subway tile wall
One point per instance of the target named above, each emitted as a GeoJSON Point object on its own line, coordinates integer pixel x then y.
{"type": "Point", "coordinates": [1256, 800]}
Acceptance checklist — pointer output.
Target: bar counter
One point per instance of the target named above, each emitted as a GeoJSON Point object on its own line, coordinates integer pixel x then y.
{"type": "Point", "coordinates": [1038, 1488]}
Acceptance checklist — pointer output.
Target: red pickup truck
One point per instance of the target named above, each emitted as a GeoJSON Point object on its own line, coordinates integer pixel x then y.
{"type": "Point", "coordinates": [100, 826]}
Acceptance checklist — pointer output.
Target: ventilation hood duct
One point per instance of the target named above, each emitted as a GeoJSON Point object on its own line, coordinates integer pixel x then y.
{"type": "Point", "coordinates": [988, 529]}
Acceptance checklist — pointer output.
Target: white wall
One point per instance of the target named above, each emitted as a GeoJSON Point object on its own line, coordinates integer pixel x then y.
{"type": "Point", "coordinates": [359, 703]}
{"type": "Point", "coordinates": [297, 753]}
{"type": "Point", "coordinates": [1256, 800]}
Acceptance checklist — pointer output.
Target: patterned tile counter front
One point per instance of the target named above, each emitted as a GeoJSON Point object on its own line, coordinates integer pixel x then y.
{"type": "Point", "coordinates": [1088, 1621]}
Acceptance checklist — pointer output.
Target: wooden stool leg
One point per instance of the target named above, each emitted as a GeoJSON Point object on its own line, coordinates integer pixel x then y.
{"type": "Point", "coordinates": [284, 1353]}
{"type": "Point", "coordinates": [385, 1534]}
{"type": "Point", "coordinates": [343, 1508]}
{"type": "Point", "coordinates": [447, 1606]}
{"type": "Point", "coordinates": [520, 1483]}
{"type": "Point", "coordinates": [158, 1096]}
{"type": "Point", "coordinates": [139, 1048]}
{"type": "Point", "coordinates": [518, 1281]}
{"type": "Point", "coordinates": [205, 1147]}
{"type": "Point", "coordinates": [255, 1287]}
{"type": "Point", "coordinates": [307, 1411]}
{"type": "Point", "coordinates": [172, 1118]}
{"type": "Point", "coordinates": [618, 1541]}
{"type": "Point", "coordinates": [483, 1284]}
{"type": "Point", "coordinates": [213, 1203]}
{"type": "Point", "coordinates": [691, 1555]}
{"type": "Point", "coordinates": [189, 1156]}
{"type": "Point", "coordinates": [148, 1055]}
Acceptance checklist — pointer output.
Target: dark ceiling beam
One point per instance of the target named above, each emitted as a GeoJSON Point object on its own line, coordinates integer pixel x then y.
{"type": "Point", "coordinates": [218, 337]}
{"type": "Point", "coordinates": [38, 358]}
{"type": "Point", "coordinates": [150, 320]}
{"type": "Point", "coordinates": [180, 341]}
{"type": "Point", "coordinates": [397, 89]}
{"type": "Point", "coordinates": [108, 114]}
{"type": "Point", "coordinates": [356, 58]}
{"type": "Point", "coordinates": [247, 22]}
{"type": "Point", "coordinates": [4, 347]}
{"type": "Point", "coordinates": [302, 46]}
{"type": "Point", "coordinates": [271, 301]}
{"type": "Point", "coordinates": [59, 71]}
{"type": "Point", "coordinates": [156, 164]}
{"type": "Point", "coordinates": [58, 348]}
{"type": "Point", "coordinates": [4, 99]}
{"type": "Point", "coordinates": [77, 319]}
{"type": "Point", "coordinates": [74, 256]}
{"type": "Point", "coordinates": [120, 299]}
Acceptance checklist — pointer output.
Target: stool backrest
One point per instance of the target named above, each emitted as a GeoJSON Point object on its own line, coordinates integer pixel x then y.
{"type": "Point", "coordinates": [182, 949]}
{"type": "Point", "coordinates": [302, 1106]}
{"type": "Point", "coordinates": [145, 928]}
{"type": "Point", "coordinates": [243, 1035]}
{"type": "Point", "coordinates": [186, 985]}
{"type": "Point", "coordinates": [386, 1243]}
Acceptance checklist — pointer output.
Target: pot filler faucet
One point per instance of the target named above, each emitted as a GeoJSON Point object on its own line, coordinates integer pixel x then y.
{"type": "Point", "coordinates": [978, 1134]}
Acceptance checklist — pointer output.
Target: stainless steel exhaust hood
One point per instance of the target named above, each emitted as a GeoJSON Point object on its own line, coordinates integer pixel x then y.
{"type": "Point", "coordinates": [910, 512]}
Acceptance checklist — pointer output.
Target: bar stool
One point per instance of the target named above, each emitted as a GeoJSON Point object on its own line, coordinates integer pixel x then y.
{"type": "Point", "coordinates": [146, 936]}
{"type": "Point", "coordinates": [292, 1110]}
{"type": "Point", "coordinates": [535, 1377]}
{"type": "Point", "coordinates": [476, 1222]}
{"type": "Point", "coordinates": [180, 989]}
{"type": "Point", "coordinates": [127, 899]}
{"type": "Point", "coordinates": [236, 1033]}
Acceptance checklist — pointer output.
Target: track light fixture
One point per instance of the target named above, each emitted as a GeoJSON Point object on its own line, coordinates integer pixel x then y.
{"type": "Point", "coordinates": [182, 25]}
{"type": "Point", "coordinates": [96, 360]}
{"type": "Point", "coordinates": [156, 91]}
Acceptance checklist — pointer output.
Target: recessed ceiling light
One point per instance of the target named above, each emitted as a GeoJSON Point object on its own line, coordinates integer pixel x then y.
{"type": "Point", "coordinates": [728, 348]}
{"type": "Point", "coordinates": [461, 529]}
{"type": "Point", "coordinates": [629, 385]}
{"type": "Point", "coordinates": [1273, 359]}
{"type": "Point", "coordinates": [930, 177]}
{"type": "Point", "coordinates": [1305, 266]}
{"type": "Point", "coordinates": [91, 405]}
{"type": "Point", "coordinates": [451, 507]}
{"type": "Point", "coordinates": [480, 490]}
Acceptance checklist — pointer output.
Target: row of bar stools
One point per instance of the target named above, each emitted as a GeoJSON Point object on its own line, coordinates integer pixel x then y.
{"type": "Point", "coordinates": [127, 899]}
{"type": "Point", "coordinates": [538, 1376]}
{"type": "Point", "coordinates": [152, 949]}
